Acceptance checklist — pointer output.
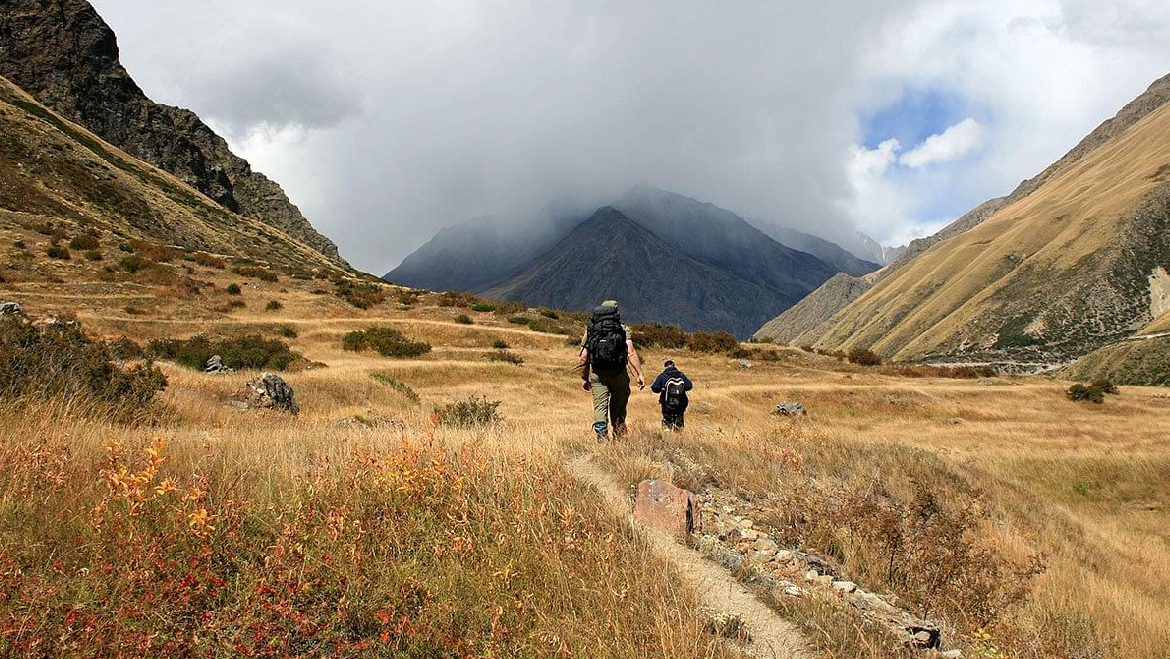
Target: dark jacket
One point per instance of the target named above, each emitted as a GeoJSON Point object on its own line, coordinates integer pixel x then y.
{"type": "Point", "coordinates": [670, 374]}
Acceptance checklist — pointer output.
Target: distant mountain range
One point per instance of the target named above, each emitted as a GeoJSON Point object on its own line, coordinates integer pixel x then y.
{"type": "Point", "coordinates": [1072, 262]}
{"type": "Point", "coordinates": [63, 54]}
{"type": "Point", "coordinates": [726, 273]}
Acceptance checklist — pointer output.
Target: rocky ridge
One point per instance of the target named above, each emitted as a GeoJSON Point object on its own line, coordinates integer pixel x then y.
{"type": "Point", "coordinates": [64, 55]}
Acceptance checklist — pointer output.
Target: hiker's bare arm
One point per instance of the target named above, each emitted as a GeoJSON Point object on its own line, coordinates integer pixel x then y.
{"type": "Point", "coordinates": [636, 362]}
{"type": "Point", "coordinates": [584, 356]}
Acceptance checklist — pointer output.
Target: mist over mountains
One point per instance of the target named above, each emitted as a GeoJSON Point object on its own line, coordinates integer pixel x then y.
{"type": "Point", "coordinates": [711, 269]}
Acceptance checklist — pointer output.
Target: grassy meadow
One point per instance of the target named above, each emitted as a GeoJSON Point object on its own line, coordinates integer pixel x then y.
{"type": "Point", "coordinates": [365, 527]}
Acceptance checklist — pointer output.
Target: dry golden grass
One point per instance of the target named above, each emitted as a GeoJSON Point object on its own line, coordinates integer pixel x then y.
{"type": "Point", "coordinates": [1085, 486]}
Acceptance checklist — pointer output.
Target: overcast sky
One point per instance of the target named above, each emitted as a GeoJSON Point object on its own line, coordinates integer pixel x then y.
{"type": "Point", "coordinates": [386, 120]}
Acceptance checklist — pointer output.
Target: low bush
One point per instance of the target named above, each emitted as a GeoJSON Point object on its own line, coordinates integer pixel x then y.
{"type": "Point", "coordinates": [506, 356]}
{"type": "Point", "coordinates": [60, 364]}
{"type": "Point", "coordinates": [483, 308]}
{"type": "Point", "coordinates": [656, 335]}
{"type": "Point", "coordinates": [396, 384]}
{"type": "Point", "coordinates": [155, 252]}
{"type": "Point", "coordinates": [208, 261]}
{"type": "Point", "coordinates": [273, 305]}
{"type": "Point", "coordinates": [385, 341]}
{"type": "Point", "coordinates": [125, 349]}
{"type": "Point", "coordinates": [132, 310]}
{"type": "Point", "coordinates": [509, 308]}
{"type": "Point", "coordinates": [469, 413]}
{"type": "Point", "coordinates": [864, 357]}
{"type": "Point", "coordinates": [58, 252]}
{"type": "Point", "coordinates": [83, 242]}
{"type": "Point", "coordinates": [456, 299]}
{"type": "Point", "coordinates": [237, 304]}
{"type": "Point", "coordinates": [519, 320]}
{"type": "Point", "coordinates": [549, 313]}
{"type": "Point", "coordinates": [712, 342]}
{"type": "Point", "coordinates": [362, 295]}
{"type": "Point", "coordinates": [500, 344]}
{"type": "Point", "coordinates": [285, 330]}
{"type": "Point", "coordinates": [93, 255]}
{"type": "Point", "coordinates": [133, 263]}
{"type": "Point", "coordinates": [125, 247]}
{"type": "Point", "coordinates": [19, 244]}
{"type": "Point", "coordinates": [464, 319]}
{"type": "Point", "coordinates": [248, 352]}
{"type": "Point", "coordinates": [1093, 392]}
{"type": "Point", "coordinates": [233, 289]}
{"type": "Point", "coordinates": [262, 274]}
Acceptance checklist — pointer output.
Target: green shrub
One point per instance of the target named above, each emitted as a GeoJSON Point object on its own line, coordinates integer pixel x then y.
{"type": "Point", "coordinates": [19, 244]}
{"type": "Point", "coordinates": [509, 308]}
{"type": "Point", "coordinates": [58, 252]}
{"type": "Point", "coordinates": [233, 289]}
{"type": "Point", "coordinates": [132, 310]}
{"type": "Point", "coordinates": [1104, 386]}
{"type": "Point", "coordinates": [83, 242]}
{"type": "Point", "coordinates": [654, 335]}
{"type": "Point", "coordinates": [93, 255]}
{"type": "Point", "coordinates": [385, 341]}
{"type": "Point", "coordinates": [133, 263]}
{"type": "Point", "coordinates": [263, 274]}
{"type": "Point", "coordinates": [549, 313]}
{"type": "Point", "coordinates": [864, 357]}
{"type": "Point", "coordinates": [286, 331]}
{"type": "Point", "coordinates": [464, 319]}
{"type": "Point", "coordinates": [248, 352]}
{"type": "Point", "coordinates": [469, 413]}
{"type": "Point", "coordinates": [396, 384]}
{"type": "Point", "coordinates": [1087, 393]}
{"type": "Point", "coordinates": [456, 299]}
{"type": "Point", "coordinates": [126, 247]}
{"type": "Point", "coordinates": [208, 261]}
{"type": "Point", "coordinates": [519, 320]}
{"type": "Point", "coordinates": [712, 342]}
{"type": "Point", "coordinates": [155, 252]}
{"type": "Point", "coordinates": [59, 363]}
{"type": "Point", "coordinates": [125, 349]}
{"type": "Point", "coordinates": [273, 305]}
{"type": "Point", "coordinates": [506, 356]}
{"type": "Point", "coordinates": [500, 344]}
{"type": "Point", "coordinates": [483, 308]}
{"type": "Point", "coordinates": [362, 295]}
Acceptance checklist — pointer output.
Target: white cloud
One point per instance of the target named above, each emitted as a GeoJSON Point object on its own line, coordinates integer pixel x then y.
{"type": "Point", "coordinates": [952, 143]}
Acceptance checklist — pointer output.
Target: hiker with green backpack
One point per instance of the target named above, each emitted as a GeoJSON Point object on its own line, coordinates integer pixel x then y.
{"type": "Point", "coordinates": [606, 350]}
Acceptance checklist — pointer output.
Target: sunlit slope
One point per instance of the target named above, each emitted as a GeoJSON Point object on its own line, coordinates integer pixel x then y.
{"type": "Point", "coordinates": [1056, 274]}
{"type": "Point", "coordinates": [53, 171]}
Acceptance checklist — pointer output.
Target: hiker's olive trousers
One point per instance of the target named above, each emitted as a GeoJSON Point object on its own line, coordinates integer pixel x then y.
{"type": "Point", "coordinates": [611, 392]}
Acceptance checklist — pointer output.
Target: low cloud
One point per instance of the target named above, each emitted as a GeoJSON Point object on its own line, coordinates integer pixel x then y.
{"type": "Point", "coordinates": [955, 142]}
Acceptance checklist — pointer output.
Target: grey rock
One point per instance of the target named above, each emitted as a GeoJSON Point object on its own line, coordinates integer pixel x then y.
{"type": "Point", "coordinates": [743, 363]}
{"type": "Point", "coordinates": [215, 365]}
{"type": "Point", "coordinates": [952, 654]}
{"type": "Point", "coordinates": [790, 409]}
{"type": "Point", "coordinates": [10, 309]}
{"type": "Point", "coordinates": [844, 586]}
{"type": "Point", "coordinates": [269, 391]}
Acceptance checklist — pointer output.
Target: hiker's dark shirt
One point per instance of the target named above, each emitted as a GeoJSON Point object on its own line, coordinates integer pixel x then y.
{"type": "Point", "coordinates": [670, 374]}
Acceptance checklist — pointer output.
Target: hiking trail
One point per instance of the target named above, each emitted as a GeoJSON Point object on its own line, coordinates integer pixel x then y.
{"type": "Point", "coordinates": [771, 637]}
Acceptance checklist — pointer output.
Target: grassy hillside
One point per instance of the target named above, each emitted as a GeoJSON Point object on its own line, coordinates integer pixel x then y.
{"type": "Point", "coordinates": [1051, 276]}
{"type": "Point", "coordinates": [57, 176]}
{"type": "Point", "coordinates": [364, 528]}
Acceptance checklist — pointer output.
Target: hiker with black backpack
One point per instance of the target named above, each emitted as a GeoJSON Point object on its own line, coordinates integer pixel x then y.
{"type": "Point", "coordinates": [672, 386]}
{"type": "Point", "coordinates": [606, 350]}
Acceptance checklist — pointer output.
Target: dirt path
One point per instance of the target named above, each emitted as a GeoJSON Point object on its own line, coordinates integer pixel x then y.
{"type": "Point", "coordinates": [772, 637]}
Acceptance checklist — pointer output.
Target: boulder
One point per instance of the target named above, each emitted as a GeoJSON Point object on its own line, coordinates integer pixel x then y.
{"type": "Point", "coordinates": [215, 365]}
{"type": "Point", "coordinates": [663, 506]}
{"type": "Point", "coordinates": [269, 391]}
{"type": "Point", "coordinates": [790, 409]}
{"type": "Point", "coordinates": [743, 363]}
{"type": "Point", "coordinates": [10, 309]}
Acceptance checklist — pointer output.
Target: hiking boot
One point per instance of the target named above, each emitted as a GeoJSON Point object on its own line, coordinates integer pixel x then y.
{"type": "Point", "coordinates": [601, 430]}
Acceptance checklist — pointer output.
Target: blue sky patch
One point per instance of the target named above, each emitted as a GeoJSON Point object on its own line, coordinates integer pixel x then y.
{"type": "Point", "coordinates": [918, 114]}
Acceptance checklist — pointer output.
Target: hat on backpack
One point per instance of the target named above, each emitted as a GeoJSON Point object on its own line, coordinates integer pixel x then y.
{"type": "Point", "coordinates": [610, 304]}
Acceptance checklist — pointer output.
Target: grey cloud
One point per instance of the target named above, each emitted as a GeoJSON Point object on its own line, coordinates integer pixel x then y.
{"type": "Point", "coordinates": [425, 114]}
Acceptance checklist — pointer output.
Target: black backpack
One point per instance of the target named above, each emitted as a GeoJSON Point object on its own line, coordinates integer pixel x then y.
{"type": "Point", "coordinates": [674, 395]}
{"type": "Point", "coordinates": [606, 339]}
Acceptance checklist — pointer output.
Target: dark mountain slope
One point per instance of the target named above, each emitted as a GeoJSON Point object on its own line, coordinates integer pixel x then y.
{"type": "Point", "coordinates": [611, 256]}
{"type": "Point", "coordinates": [837, 257]}
{"type": "Point", "coordinates": [724, 240]}
{"type": "Point", "coordinates": [63, 54]}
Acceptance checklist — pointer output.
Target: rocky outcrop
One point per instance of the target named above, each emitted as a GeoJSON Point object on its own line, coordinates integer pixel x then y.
{"type": "Point", "coordinates": [269, 391]}
{"type": "Point", "coordinates": [64, 55]}
{"type": "Point", "coordinates": [790, 409]}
